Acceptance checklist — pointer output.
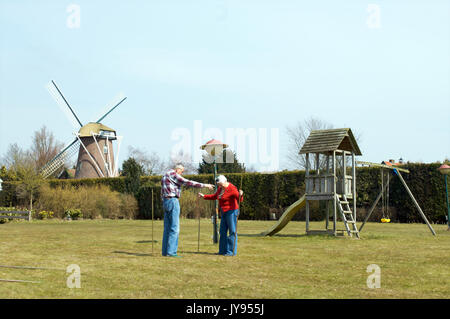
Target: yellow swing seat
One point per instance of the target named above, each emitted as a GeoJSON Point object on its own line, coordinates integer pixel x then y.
{"type": "Point", "coordinates": [385, 220]}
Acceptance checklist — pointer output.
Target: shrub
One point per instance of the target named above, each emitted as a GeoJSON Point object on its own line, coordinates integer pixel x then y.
{"type": "Point", "coordinates": [94, 201]}
{"type": "Point", "coordinates": [45, 214]}
{"type": "Point", "coordinates": [264, 194]}
{"type": "Point", "coordinates": [73, 214]}
{"type": "Point", "coordinates": [144, 198]}
{"type": "Point", "coordinates": [192, 207]}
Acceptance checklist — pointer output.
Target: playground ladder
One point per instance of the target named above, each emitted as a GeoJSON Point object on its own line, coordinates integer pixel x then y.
{"type": "Point", "coordinates": [347, 215]}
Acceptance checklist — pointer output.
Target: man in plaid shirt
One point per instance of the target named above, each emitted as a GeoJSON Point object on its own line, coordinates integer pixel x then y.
{"type": "Point", "coordinates": [170, 192]}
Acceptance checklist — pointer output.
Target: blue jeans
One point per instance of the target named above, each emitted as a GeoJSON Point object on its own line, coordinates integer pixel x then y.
{"type": "Point", "coordinates": [171, 226]}
{"type": "Point", "coordinates": [228, 224]}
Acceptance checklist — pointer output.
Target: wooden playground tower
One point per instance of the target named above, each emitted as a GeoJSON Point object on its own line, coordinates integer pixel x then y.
{"type": "Point", "coordinates": [332, 177]}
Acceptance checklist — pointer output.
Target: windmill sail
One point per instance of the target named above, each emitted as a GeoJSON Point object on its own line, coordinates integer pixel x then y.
{"type": "Point", "coordinates": [112, 105]}
{"type": "Point", "coordinates": [59, 160]}
{"type": "Point", "coordinates": [63, 104]}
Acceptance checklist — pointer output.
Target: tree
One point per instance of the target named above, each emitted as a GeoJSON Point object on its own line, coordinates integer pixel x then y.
{"type": "Point", "coordinates": [7, 175]}
{"type": "Point", "coordinates": [30, 182]}
{"type": "Point", "coordinates": [14, 158]}
{"type": "Point", "coordinates": [151, 163]}
{"type": "Point", "coordinates": [44, 147]}
{"type": "Point", "coordinates": [228, 164]}
{"type": "Point", "coordinates": [183, 159]}
{"type": "Point", "coordinates": [18, 165]}
{"type": "Point", "coordinates": [132, 171]}
{"type": "Point", "coordinates": [297, 136]}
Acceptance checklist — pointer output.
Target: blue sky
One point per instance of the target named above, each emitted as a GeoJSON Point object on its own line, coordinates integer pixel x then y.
{"type": "Point", "coordinates": [231, 64]}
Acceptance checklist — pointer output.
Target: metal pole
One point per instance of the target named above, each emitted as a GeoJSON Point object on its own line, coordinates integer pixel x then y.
{"type": "Point", "coordinates": [215, 234]}
{"type": "Point", "coordinates": [152, 222]}
{"type": "Point", "coordinates": [198, 213]}
{"type": "Point", "coordinates": [448, 208]}
{"type": "Point", "coordinates": [237, 217]}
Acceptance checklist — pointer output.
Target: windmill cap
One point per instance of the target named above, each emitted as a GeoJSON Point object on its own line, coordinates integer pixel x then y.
{"type": "Point", "coordinates": [96, 128]}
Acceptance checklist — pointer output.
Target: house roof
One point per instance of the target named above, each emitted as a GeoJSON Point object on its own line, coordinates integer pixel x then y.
{"type": "Point", "coordinates": [212, 143]}
{"type": "Point", "coordinates": [325, 141]}
{"type": "Point", "coordinates": [389, 163]}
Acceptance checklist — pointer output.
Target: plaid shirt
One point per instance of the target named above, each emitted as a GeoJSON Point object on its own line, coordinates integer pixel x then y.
{"type": "Point", "coordinates": [171, 184]}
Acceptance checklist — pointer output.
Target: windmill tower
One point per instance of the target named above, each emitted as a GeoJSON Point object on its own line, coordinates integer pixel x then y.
{"type": "Point", "coordinates": [93, 142]}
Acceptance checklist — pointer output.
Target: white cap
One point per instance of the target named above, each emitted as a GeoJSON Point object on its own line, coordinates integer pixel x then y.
{"type": "Point", "coordinates": [221, 179]}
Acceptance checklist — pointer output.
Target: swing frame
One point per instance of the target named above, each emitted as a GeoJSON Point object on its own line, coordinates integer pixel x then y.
{"type": "Point", "coordinates": [397, 171]}
{"type": "Point", "coordinates": [385, 196]}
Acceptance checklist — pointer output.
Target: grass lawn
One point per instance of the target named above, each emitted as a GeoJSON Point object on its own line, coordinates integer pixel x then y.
{"type": "Point", "coordinates": [116, 261]}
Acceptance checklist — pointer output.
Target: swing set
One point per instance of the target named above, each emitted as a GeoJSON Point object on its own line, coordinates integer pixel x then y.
{"type": "Point", "coordinates": [386, 169]}
{"type": "Point", "coordinates": [385, 176]}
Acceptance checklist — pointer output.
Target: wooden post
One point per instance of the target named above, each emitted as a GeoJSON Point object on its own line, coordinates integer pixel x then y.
{"type": "Point", "coordinates": [354, 185]}
{"type": "Point", "coordinates": [319, 183]}
{"type": "Point", "coordinates": [415, 202]}
{"type": "Point", "coordinates": [344, 173]}
{"type": "Point", "coordinates": [334, 194]}
{"type": "Point", "coordinates": [317, 163]}
{"type": "Point", "coordinates": [307, 216]}
{"type": "Point", "coordinates": [372, 208]}
{"type": "Point", "coordinates": [307, 190]}
{"type": "Point", "coordinates": [327, 172]}
{"type": "Point", "coordinates": [307, 173]}
{"type": "Point", "coordinates": [327, 214]}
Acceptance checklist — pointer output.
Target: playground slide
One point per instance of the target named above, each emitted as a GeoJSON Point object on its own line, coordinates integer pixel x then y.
{"type": "Point", "coordinates": [286, 217]}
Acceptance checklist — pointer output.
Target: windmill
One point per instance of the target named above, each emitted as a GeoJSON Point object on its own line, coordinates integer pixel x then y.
{"type": "Point", "coordinates": [93, 142]}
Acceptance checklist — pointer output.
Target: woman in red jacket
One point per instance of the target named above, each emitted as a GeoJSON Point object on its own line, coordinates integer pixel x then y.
{"type": "Point", "coordinates": [228, 196]}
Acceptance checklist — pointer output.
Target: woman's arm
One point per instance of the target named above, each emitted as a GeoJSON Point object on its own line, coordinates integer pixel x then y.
{"type": "Point", "coordinates": [212, 196]}
{"type": "Point", "coordinates": [241, 193]}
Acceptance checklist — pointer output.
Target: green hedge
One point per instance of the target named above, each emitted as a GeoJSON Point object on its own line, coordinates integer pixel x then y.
{"type": "Point", "coordinates": [273, 193]}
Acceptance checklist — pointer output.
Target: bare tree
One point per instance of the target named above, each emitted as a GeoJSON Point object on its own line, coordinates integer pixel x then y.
{"type": "Point", "coordinates": [150, 162]}
{"type": "Point", "coordinates": [44, 147]}
{"type": "Point", "coordinates": [15, 158]}
{"type": "Point", "coordinates": [297, 136]}
{"type": "Point", "coordinates": [184, 159]}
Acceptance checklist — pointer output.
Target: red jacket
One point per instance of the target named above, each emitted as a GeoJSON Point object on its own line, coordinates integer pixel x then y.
{"type": "Point", "coordinates": [228, 200]}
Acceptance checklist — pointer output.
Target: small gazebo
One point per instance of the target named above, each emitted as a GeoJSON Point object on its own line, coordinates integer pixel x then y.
{"type": "Point", "coordinates": [332, 176]}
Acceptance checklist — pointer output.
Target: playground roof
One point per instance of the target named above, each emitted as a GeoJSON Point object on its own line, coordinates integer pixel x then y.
{"type": "Point", "coordinates": [325, 141]}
